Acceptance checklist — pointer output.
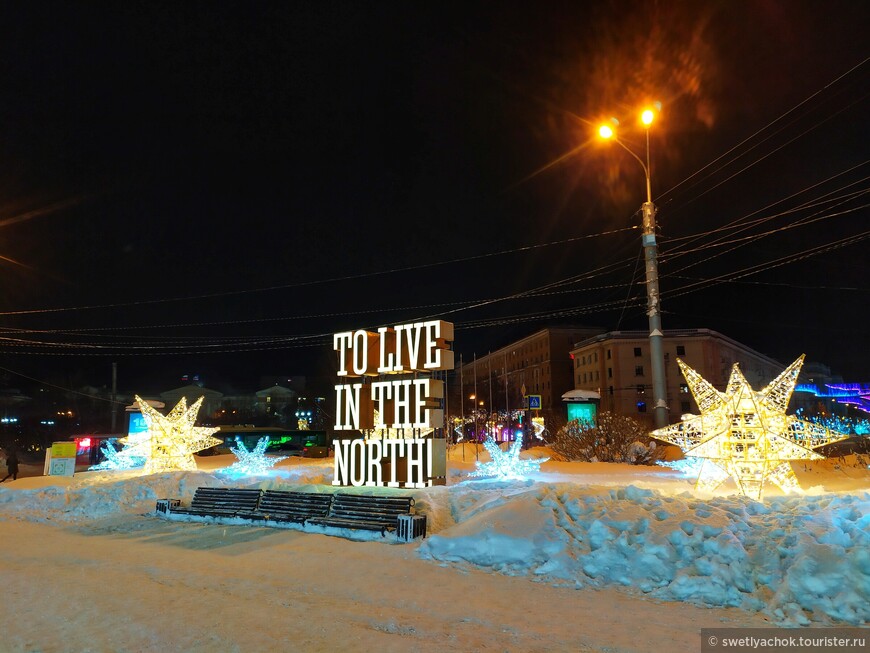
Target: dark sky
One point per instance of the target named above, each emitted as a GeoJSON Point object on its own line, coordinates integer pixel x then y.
{"type": "Point", "coordinates": [212, 187]}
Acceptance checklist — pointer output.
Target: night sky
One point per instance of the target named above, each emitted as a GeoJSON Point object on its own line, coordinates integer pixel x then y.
{"type": "Point", "coordinates": [216, 187]}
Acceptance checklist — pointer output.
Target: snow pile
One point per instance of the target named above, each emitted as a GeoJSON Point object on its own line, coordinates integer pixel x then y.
{"type": "Point", "coordinates": [106, 493]}
{"type": "Point", "coordinates": [798, 559]}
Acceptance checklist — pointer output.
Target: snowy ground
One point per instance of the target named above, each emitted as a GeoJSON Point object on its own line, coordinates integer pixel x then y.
{"type": "Point", "coordinates": [581, 557]}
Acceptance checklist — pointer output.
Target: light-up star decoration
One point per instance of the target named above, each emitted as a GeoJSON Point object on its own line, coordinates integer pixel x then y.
{"type": "Point", "coordinates": [507, 464]}
{"type": "Point", "coordinates": [254, 462]}
{"type": "Point", "coordinates": [117, 460]}
{"type": "Point", "coordinates": [746, 434]}
{"type": "Point", "coordinates": [171, 440]}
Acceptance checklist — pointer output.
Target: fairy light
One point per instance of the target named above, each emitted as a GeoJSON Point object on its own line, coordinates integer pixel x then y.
{"type": "Point", "coordinates": [746, 435]}
{"type": "Point", "coordinates": [171, 440]}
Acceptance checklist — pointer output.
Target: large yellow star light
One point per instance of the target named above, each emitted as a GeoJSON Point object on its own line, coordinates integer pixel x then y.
{"type": "Point", "coordinates": [746, 434]}
{"type": "Point", "coordinates": [171, 440]}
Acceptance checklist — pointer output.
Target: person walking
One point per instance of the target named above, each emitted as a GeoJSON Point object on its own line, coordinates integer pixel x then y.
{"type": "Point", "coordinates": [11, 466]}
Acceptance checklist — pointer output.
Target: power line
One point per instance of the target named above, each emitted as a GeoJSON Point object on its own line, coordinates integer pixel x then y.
{"type": "Point", "coordinates": [766, 127]}
{"type": "Point", "coordinates": [314, 282]}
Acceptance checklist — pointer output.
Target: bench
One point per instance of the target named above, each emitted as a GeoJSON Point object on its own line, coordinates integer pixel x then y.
{"type": "Point", "coordinates": [339, 510]}
{"type": "Point", "coordinates": [221, 502]}
{"type": "Point", "coordinates": [296, 507]}
{"type": "Point", "coordinates": [374, 513]}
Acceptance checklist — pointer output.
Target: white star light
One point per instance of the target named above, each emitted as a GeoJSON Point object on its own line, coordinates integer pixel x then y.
{"type": "Point", "coordinates": [115, 459]}
{"type": "Point", "coordinates": [507, 464]}
{"type": "Point", "coordinates": [254, 462]}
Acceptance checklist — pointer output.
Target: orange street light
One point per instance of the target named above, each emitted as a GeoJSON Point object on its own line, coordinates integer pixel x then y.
{"type": "Point", "coordinates": [647, 117]}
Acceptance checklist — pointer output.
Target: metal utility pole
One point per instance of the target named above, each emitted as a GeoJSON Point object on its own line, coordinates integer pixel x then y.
{"type": "Point", "coordinates": [114, 397]}
{"type": "Point", "coordinates": [648, 240]}
{"type": "Point", "coordinates": [507, 405]}
{"type": "Point", "coordinates": [656, 336]}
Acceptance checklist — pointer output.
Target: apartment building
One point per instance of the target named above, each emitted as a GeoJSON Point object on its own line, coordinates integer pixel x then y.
{"type": "Point", "coordinates": [617, 365]}
{"type": "Point", "coordinates": [540, 363]}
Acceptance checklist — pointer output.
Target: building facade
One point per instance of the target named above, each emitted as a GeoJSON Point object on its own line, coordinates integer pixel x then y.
{"type": "Point", "coordinates": [539, 363]}
{"type": "Point", "coordinates": [618, 366]}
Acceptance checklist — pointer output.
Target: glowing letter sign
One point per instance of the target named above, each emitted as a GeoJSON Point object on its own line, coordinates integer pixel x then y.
{"type": "Point", "coordinates": [394, 356]}
{"type": "Point", "coordinates": [404, 349]}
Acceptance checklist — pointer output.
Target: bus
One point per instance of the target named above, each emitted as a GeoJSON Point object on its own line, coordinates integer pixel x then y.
{"type": "Point", "coordinates": [294, 443]}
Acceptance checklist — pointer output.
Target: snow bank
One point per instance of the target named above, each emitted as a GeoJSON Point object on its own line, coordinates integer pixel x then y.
{"type": "Point", "coordinates": [798, 559]}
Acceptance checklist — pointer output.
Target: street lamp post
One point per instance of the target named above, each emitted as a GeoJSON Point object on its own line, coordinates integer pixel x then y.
{"type": "Point", "coordinates": [648, 239]}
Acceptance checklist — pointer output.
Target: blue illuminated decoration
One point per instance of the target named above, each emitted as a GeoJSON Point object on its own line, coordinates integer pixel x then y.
{"type": "Point", "coordinates": [837, 423]}
{"type": "Point", "coordinates": [251, 463]}
{"type": "Point", "coordinates": [851, 394]}
{"type": "Point", "coordinates": [115, 459]}
{"type": "Point", "coordinates": [507, 464]}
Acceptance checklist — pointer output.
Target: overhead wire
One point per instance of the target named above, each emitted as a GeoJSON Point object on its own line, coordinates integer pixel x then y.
{"type": "Point", "coordinates": [314, 282]}
{"type": "Point", "coordinates": [251, 343]}
{"type": "Point", "coordinates": [767, 126]}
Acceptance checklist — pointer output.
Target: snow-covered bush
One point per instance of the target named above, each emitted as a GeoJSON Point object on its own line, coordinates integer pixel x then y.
{"type": "Point", "coordinates": [616, 439]}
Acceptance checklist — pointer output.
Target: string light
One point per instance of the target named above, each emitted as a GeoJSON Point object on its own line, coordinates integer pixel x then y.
{"type": "Point", "coordinates": [746, 434]}
{"type": "Point", "coordinates": [171, 440]}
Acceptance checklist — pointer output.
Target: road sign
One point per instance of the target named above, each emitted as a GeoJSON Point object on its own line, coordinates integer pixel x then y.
{"type": "Point", "coordinates": [534, 402]}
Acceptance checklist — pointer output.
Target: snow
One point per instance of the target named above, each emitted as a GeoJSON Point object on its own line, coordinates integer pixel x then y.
{"type": "Point", "coordinates": [573, 558]}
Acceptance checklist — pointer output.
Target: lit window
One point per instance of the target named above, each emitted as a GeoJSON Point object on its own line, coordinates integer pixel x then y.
{"type": "Point", "coordinates": [684, 388]}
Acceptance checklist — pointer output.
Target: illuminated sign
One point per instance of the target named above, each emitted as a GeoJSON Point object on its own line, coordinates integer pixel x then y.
{"type": "Point", "coordinates": [403, 400]}
{"type": "Point", "coordinates": [401, 403]}
{"type": "Point", "coordinates": [60, 459]}
{"type": "Point", "coordinates": [392, 463]}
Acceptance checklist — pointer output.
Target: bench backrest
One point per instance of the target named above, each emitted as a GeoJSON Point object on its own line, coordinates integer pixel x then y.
{"type": "Point", "coordinates": [380, 510]}
{"type": "Point", "coordinates": [297, 503]}
{"type": "Point", "coordinates": [220, 498]}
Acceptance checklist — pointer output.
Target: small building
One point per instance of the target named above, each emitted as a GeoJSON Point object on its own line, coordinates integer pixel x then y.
{"type": "Point", "coordinates": [582, 405]}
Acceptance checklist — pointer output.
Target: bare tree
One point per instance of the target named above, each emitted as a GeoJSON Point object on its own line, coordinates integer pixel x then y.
{"type": "Point", "coordinates": [616, 439]}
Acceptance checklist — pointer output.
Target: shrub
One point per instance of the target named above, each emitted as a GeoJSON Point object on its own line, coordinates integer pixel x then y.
{"type": "Point", "coordinates": [616, 439]}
